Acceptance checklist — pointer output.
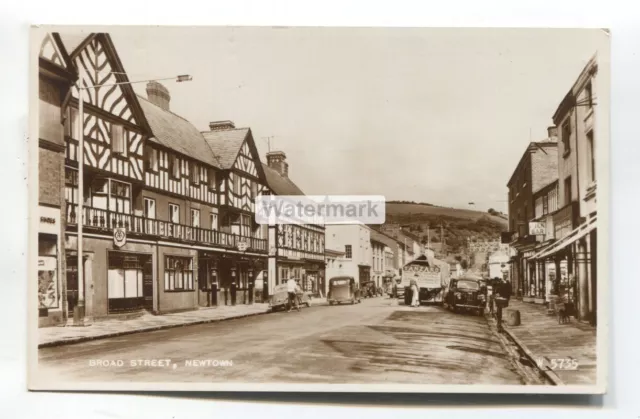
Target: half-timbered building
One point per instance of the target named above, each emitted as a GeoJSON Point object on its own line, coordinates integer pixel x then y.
{"type": "Point", "coordinates": [298, 248]}
{"type": "Point", "coordinates": [117, 276]}
{"type": "Point", "coordinates": [241, 180]}
{"type": "Point", "coordinates": [56, 75]}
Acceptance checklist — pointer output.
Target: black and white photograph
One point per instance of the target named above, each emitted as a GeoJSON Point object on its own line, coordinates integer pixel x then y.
{"type": "Point", "coordinates": [319, 209]}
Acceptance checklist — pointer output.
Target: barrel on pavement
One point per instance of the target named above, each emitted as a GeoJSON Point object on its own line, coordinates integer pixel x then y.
{"type": "Point", "coordinates": [513, 317]}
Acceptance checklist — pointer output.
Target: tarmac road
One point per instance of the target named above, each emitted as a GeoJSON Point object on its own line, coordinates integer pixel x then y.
{"type": "Point", "coordinates": [377, 341]}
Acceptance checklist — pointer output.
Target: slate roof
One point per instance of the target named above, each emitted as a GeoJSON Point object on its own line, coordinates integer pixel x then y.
{"type": "Point", "coordinates": [279, 184]}
{"type": "Point", "coordinates": [226, 144]}
{"type": "Point", "coordinates": [176, 133]}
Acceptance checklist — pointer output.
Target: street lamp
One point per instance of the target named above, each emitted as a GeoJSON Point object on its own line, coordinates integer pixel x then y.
{"type": "Point", "coordinates": [81, 89]}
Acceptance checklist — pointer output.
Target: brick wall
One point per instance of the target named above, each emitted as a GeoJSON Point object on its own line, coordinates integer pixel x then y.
{"type": "Point", "coordinates": [51, 177]}
{"type": "Point", "coordinates": [544, 166]}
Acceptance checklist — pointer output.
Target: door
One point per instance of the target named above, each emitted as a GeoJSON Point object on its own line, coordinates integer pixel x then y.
{"type": "Point", "coordinates": [147, 283]}
{"type": "Point", "coordinates": [72, 284]}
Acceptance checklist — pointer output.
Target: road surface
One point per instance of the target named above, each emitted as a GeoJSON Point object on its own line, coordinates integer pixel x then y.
{"type": "Point", "coordinates": [377, 341]}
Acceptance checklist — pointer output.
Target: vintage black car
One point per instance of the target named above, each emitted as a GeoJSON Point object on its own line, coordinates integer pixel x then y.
{"type": "Point", "coordinates": [466, 294]}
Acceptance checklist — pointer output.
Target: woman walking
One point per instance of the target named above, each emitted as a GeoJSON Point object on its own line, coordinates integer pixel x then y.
{"type": "Point", "coordinates": [415, 301]}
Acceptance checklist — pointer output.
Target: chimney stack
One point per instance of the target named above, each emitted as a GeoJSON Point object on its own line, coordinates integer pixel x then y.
{"type": "Point", "coordinates": [552, 133]}
{"type": "Point", "coordinates": [158, 95]}
{"type": "Point", "coordinates": [277, 160]}
{"type": "Point", "coordinates": [221, 125]}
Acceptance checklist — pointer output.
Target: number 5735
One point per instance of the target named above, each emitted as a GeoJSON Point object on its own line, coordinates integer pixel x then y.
{"type": "Point", "coordinates": [564, 364]}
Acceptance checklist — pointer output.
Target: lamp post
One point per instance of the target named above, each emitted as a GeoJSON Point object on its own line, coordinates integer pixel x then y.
{"type": "Point", "coordinates": [79, 309]}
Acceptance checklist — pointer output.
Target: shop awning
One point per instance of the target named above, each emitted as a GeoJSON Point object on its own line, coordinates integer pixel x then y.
{"type": "Point", "coordinates": [575, 235]}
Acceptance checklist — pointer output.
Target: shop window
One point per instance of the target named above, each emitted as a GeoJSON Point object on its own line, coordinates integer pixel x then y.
{"type": "Point", "coordinates": [124, 277]}
{"type": "Point", "coordinates": [178, 273]}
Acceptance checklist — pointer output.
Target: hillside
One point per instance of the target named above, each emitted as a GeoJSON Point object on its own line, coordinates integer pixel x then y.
{"type": "Point", "coordinates": [457, 224]}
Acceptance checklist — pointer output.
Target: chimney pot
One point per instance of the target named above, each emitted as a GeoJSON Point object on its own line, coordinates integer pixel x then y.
{"type": "Point", "coordinates": [221, 125]}
{"type": "Point", "coordinates": [158, 95]}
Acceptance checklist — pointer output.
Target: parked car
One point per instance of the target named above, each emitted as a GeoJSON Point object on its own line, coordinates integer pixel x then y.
{"type": "Point", "coordinates": [467, 293]}
{"type": "Point", "coordinates": [343, 289]}
{"type": "Point", "coordinates": [280, 298]}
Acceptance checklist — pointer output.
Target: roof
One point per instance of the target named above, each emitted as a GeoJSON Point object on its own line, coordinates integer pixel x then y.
{"type": "Point", "coordinates": [279, 184]}
{"type": "Point", "coordinates": [226, 144]}
{"type": "Point", "coordinates": [72, 41]}
{"type": "Point", "coordinates": [176, 133]}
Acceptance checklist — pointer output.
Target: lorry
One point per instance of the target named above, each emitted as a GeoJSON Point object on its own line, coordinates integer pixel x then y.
{"type": "Point", "coordinates": [431, 275]}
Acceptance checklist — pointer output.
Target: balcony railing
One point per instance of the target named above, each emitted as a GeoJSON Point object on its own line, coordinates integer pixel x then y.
{"type": "Point", "coordinates": [105, 220]}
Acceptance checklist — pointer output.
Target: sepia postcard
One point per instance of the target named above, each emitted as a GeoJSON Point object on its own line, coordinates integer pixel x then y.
{"type": "Point", "coordinates": [319, 209]}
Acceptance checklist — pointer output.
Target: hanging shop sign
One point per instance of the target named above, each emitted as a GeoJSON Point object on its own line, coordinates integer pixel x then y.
{"type": "Point", "coordinates": [119, 236]}
{"type": "Point", "coordinates": [537, 229]}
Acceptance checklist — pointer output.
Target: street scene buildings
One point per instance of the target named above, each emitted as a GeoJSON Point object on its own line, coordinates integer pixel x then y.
{"type": "Point", "coordinates": [146, 221]}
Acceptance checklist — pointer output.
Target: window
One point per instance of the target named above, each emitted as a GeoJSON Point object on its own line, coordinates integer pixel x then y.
{"type": "Point", "coordinates": [539, 207]}
{"type": "Point", "coordinates": [236, 184]}
{"type": "Point", "coordinates": [150, 208]}
{"type": "Point", "coordinates": [71, 185]}
{"type": "Point", "coordinates": [245, 228]}
{"type": "Point", "coordinates": [545, 204]}
{"type": "Point", "coordinates": [151, 159]}
{"type": "Point", "coordinates": [124, 276]}
{"type": "Point", "coordinates": [174, 167]}
{"type": "Point", "coordinates": [174, 213]}
{"type": "Point", "coordinates": [71, 125]}
{"type": "Point", "coordinates": [591, 156]}
{"type": "Point", "coordinates": [118, 140]}
{"type": "Point", "coordinates": [254, 189]}
{"type": "Point", "coordinates": [347, 251]}
{"type": "Point", "coordinates": [566, 137]}
{"type": "Point", "coordinates": [119, 197]}
{"type": "Point", "coordinates": [195, 173]}
{"type": "Point", "coordinates": [178, 273]}
{"type": "Point", "coordinates": [195, 217]}
{"type": "Point", "coordinates": [588, 91]}
{"type": "Point", "coordinates": [212, 179]}
{"type": "Point", "coordinates": [567, 191]}
{"type": "Point", "coordinates": [553, 199]}
{"type": "Point", "coordinates": [99, 192]}
{"type": "Point", "coordinates": [214, 221]}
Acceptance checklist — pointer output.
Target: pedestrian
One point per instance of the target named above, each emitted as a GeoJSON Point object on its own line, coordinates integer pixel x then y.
{"type": "Point", "coordinates": [503, 294]}
{"type": "Point", "coordinates": [415, 301]}
{"type": "Point", "coordinates": [233, 292]}
{"type": "Point", "coordinates": [291, 291]}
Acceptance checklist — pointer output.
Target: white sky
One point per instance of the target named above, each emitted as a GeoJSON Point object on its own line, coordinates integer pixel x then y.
{"type": "Point", "coordinates": [431, 115]}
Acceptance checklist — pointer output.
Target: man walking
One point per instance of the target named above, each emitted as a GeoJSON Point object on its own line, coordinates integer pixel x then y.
{"type": "Point", "coordinates": [291, 290]}
{"type": "Point", "coordinates": [503, 294]}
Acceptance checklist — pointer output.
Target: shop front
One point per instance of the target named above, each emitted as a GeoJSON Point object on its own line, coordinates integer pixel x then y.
{"type": "Point", "coordinates": [51, 289]}
{"type": "Point", "coordinates": [228, 278]}
{"type": "Point", "coordinates": [118, 276]}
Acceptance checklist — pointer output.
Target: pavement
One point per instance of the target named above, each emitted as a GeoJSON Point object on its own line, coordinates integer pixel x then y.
{"type": "Point", "coordinates": [375, 341]}
{"type": "Point", "coordinates": [63, 335]}
{"type": "Point", "coordinates": [566, 352]}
